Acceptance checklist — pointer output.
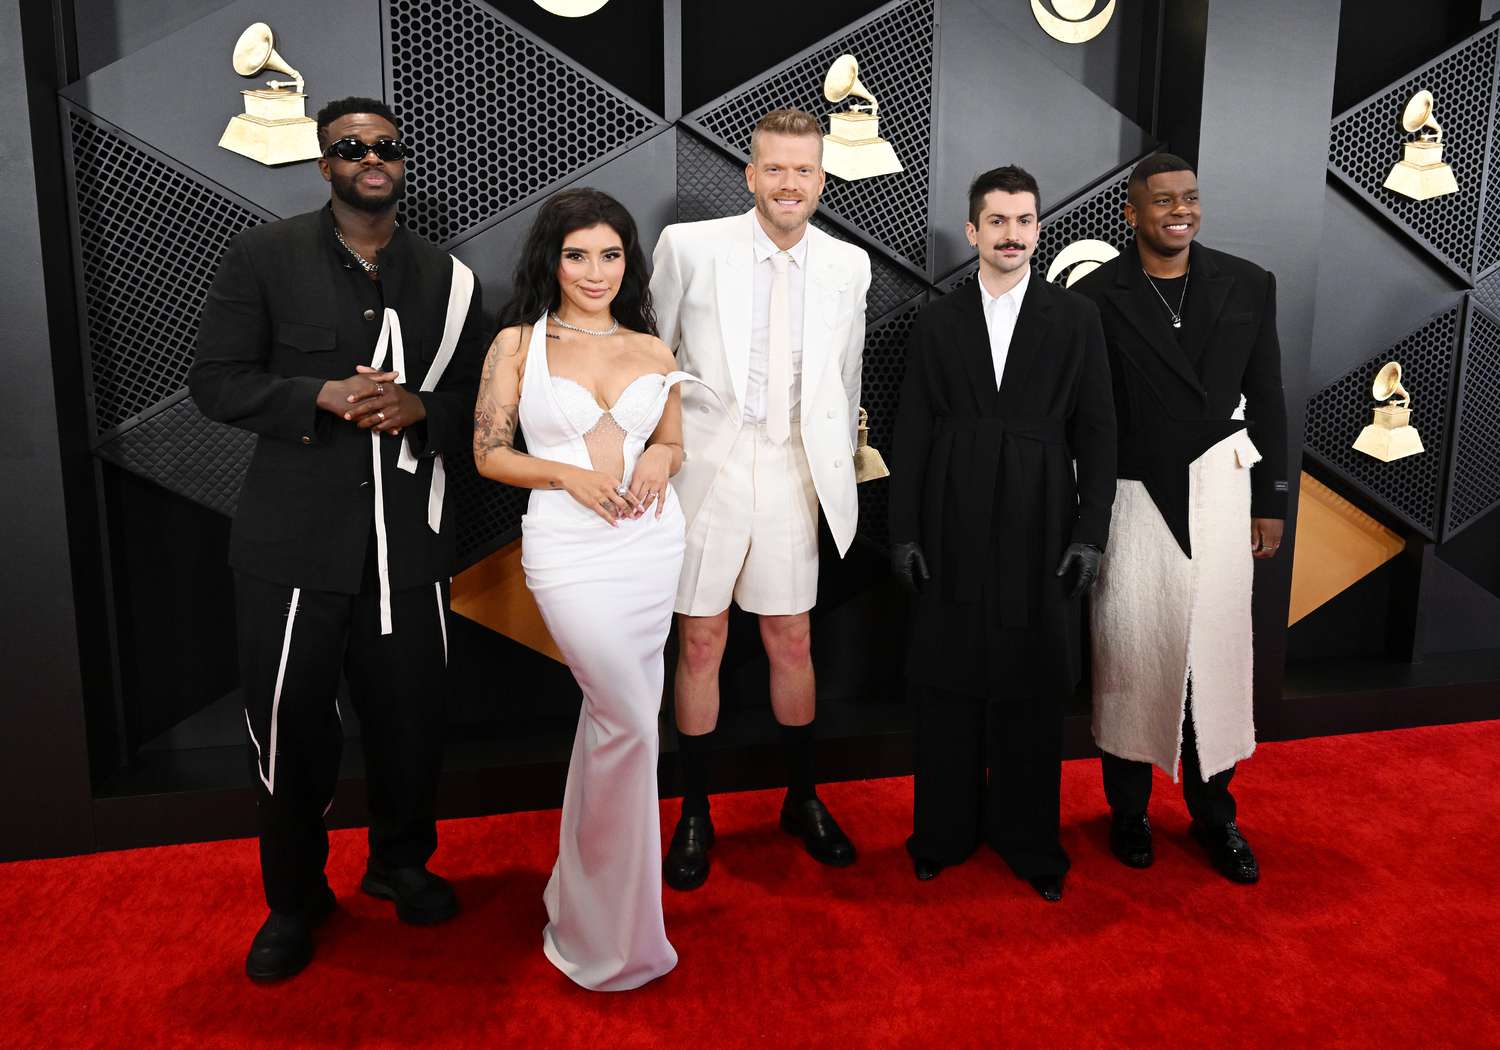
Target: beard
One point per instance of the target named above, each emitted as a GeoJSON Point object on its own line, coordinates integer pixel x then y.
{"type": "Point", "coordinates": [780, 220]}
{"type": "Point", "coordinates": [346, 190]}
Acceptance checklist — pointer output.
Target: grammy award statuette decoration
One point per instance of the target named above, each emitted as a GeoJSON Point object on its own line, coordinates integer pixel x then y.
{"type": "Point", "coordinates": [275, 127]}
{"type": "Point", "coordinates": [853, 148]}
{"type": "Point", "coordinates": [869, 464]}
{"type": "Point", "coordinates": [1420, 173]}
{"type": "Point", "coordinates": [1390, 436]}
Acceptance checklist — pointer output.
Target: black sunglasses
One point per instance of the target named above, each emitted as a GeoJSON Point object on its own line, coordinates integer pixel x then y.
{"type": "Point", "coordinates": [351, 149]}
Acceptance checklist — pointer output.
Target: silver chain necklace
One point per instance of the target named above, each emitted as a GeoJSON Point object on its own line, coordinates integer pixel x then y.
{"type": "Point", "coordinates": [611, 330]}
{"type": "Point", "coordinates": [373, 269]}
{"type": "Point", "coordinates": [1182, 299]}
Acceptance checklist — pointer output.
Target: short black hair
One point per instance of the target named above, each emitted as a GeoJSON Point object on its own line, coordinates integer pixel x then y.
{"type": "Point", "coordinates": [1006, 179]}
{"type": "Point", "coordinates": [1157, 164]}
{"type": "Point", "coordinates": [342, 107]}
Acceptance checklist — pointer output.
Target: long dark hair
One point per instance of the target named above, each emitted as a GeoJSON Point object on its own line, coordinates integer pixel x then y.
{"type": "Point", "coordinates": [534, 287]}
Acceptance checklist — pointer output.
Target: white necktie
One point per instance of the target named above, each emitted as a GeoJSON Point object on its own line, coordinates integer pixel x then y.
{"type": "Point", "coordinates": [779, 356]}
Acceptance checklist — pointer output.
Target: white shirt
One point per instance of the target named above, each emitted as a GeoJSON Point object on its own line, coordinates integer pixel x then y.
{"type": "Point", "coordinates": [760, 324]}
{"type": "Point", "coordinates": [1000, 313]}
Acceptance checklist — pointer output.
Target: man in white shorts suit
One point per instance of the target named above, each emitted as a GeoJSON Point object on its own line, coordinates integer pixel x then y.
{"type": "Point", "coordinates": [770, 314]}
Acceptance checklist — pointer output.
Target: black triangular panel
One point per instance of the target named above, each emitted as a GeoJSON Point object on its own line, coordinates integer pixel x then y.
{"type": "Point", "coordinates": [1409, 488]}
{"type": "Point", "coordinates": [897, 44]}
{"type": "Point", "coordinates": [494, 117]}
{"type": "Point", "coordinates": [184, 451]}
{"type": "Point", "coordinates": [1096, 216]}
{"type": "Point", "coordinates": [1367, 140]}
{"type": "Point", "coordinates": [710, 184]}
{"type": "Point", "coordinates": [1474, 486]}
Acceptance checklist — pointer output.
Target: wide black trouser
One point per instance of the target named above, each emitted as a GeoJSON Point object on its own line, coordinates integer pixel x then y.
{"type": "Point", "coordinates": [1018, 807]}
{"type": "Point", "coordinates": [1127, 783]}
{"type": "Point", "coordinates": [294, 643]}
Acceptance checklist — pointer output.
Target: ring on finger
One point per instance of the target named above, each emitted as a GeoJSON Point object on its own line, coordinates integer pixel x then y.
{"type": "Point", "coordinates": [379, 389]}
{"type": "Point", "coordinates": [381, 413]}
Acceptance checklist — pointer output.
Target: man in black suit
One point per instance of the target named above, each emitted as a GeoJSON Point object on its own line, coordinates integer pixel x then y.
{"type": "Point", "coordinates": [1007, 386]}
{"type": "Point", "coordinates": [1197, 383]}
{"type": "Point", "coordinates": [352, 348]}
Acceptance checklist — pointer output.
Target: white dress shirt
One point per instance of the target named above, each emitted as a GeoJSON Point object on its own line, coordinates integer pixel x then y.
{"type": "Point", "coordinates": [760, 324]}
{"type": "Point", "coordinates": [1000, 313]}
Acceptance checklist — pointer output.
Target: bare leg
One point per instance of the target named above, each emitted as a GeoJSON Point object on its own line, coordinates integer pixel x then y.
{"type": "Point", "coordinates": [788, 642]}
{"type": "Point", "coordinates": [700, 650]}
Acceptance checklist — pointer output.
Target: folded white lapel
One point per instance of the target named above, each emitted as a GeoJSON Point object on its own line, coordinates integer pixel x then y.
{"type": "Point", "coordinates": [734, 283]}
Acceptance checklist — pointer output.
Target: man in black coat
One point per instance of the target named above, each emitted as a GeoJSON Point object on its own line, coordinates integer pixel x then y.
{"type": "Point", "coordinates": [1007, 387]}
{"type": "Point", "coordinates": [352, 348]}
{"type": "Point", "coordinates": [1202, 494]}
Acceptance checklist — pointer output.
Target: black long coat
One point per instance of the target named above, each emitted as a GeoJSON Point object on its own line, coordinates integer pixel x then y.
{"type": "Point", "coordinates": [285, 313]}
{"type": "Point", "coordinates": [1174, 398]}
{"type": "Point", "coordinates": [984, 480]}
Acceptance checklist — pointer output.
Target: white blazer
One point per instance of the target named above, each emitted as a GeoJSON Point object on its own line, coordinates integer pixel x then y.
{"type": "Point", "coordinates": [703, 287]}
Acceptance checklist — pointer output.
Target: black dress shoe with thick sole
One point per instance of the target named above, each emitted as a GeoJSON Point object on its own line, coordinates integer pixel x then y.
{"type": "Point", "coordinates": [821, 835]}
{"type": "Point", "coordinates": [686, 863]}
{"type": "Point", "coordinates": [1228, 850]}
{"type": "Point", "coordinates": [283, 946]}
{"type": "Point", "coordinates": [924, 868]}
{"type": "Point", "coordinates": [1130, 840]}
{"type": "Point", "coordinates": [422, 898]}
{"type": "Point", "coordinates": [1049, 886]}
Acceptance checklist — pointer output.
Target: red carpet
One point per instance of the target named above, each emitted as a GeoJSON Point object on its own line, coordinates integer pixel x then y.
{"type": "Point", "coordinates": [1375, 924]}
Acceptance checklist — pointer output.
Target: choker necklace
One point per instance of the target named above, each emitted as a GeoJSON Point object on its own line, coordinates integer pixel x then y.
{"type": "Point", "coordinates": [611, 330]}
{"type": "Point", "coordinates": [1181, 300]}
{"type": "Point", "coordinates": [373, 269]}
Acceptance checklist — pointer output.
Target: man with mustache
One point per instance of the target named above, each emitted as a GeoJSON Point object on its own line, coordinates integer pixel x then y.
{"type": "Point", "coordinates": [352, 349]}
{"type": "Point", "coordinates": [1197, 368]}
{"type": "Point", "coordinates": [769, 313]}
{"type": "Point", "coordinates": [1007, 387]}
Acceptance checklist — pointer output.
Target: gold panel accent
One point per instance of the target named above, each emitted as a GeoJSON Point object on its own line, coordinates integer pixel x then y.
{"type": "Point", "coordinates": [1337, 546]}
{"type": "Point", "coordinates": [493, 592]}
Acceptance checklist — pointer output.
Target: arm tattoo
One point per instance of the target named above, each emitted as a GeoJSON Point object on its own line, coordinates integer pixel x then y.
{"type": "Point", "coordinates": [495, 429]}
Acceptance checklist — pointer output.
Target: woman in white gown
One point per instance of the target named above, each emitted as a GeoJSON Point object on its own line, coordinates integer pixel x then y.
{"type": "Point", "coordinates": [601, 544]}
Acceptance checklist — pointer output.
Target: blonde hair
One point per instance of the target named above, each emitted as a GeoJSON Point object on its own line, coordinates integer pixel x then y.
{"type": "Point", "coordinates": [789, 121]}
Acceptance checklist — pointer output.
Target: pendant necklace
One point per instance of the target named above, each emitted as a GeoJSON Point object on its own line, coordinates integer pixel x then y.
{"type": "Point", "coordinates": [373, 269]}
{"type": "Point", "coordinates": [1176, 314]}
{"type": "Point", "coordinates": [611, 330]}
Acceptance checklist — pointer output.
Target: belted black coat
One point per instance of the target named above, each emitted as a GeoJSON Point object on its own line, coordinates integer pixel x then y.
{"type": "Point", "coordinates": [287, 310]}
{"type": "Point", "coordinates": [985, 481]}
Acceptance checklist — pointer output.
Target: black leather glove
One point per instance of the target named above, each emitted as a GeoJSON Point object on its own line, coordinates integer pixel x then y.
{"type": "Point", "coordinates": [910, 566]}
{"type": "Point", "coordinates": [1086, 557]}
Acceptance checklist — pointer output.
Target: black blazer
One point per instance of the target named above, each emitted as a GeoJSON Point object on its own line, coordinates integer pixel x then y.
{"type": "Point", "coordinates": [985, 481]}
{"type": "Point", "coordinates": [284, 315]}
{"type": "Point", "coordinates": [1173, 402]}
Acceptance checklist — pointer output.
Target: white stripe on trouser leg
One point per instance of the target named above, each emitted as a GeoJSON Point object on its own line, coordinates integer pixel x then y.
{"type": "Point", "coordinates": [437, 585]}
{"type": "Point", "coordinates": [286, 647]}
{"type": "Point", "coordinates": [340, 716]}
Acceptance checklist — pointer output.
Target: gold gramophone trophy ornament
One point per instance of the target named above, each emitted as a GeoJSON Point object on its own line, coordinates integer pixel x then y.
{"type": "Point", "coordinates": [1421, 173]}
{"type": "Point", "coordinates": [275, 127]}
{"type": "Point", "coordinates": [853, 148]}
{"type": "Point", "coordinates": [1390, 436]}
{"type": "Point", "coordinates": [869, 464]}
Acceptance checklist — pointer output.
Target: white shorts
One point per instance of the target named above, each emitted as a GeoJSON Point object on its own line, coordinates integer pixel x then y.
{"type": "Point", "coordinates": [755, 538]}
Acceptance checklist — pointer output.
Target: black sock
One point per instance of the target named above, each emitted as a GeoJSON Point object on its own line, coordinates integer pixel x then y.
{"type": "Point", "coordinates": [692, 757]}
{"type": "Point", "coordinates": [797, 745]}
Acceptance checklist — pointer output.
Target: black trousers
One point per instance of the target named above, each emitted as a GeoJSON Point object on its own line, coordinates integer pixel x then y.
{"type": "Point", "coordinates": [1127, 783]}
{"type": "Point", "coordinates": [1017, 808]}
{"type": "Point", "coordinates": [294, 644]}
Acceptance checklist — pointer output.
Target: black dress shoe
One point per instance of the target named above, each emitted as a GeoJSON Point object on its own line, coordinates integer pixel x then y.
{"type": "Point", "coordinates": [283, 946]}
{"type": "Point", "coordinates": [1130, 839]}
{"type": "Point", "coordinates": [686, 864]}
{"type": "Point", "coordinates": [1049, 886]}
{"type": "Point", "coordinates": [924, 868]}
{"type": "Point", "coordinates": [1228, 850]}
{"type": "Point", "coordinates": [820, 833]}
{"type": "Point", "coordinates": [422, 898]}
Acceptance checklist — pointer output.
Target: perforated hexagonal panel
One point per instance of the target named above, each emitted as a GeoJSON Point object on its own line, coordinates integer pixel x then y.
{"type": "Point", "coordinates": [1367, 140]}
{"type": "Point", "coordinates": [183, 450]}
{"type": "Point", "coordinates": [1096, 215]}
{"type": "Point", "coordinates": [884, 370]}
{"type": "Point", "coordinates": [711, 184]}
{"type": "Point", "coordinates": [493, 116]}
{"type": "Point", "coordinates": [151, 238]}
{"type": "Point", "coordinates": [489, 514]}
{"type": "Point", "coordinates": [1408, 487]}
{"type": "Point", "coordinates": [1474, 485]}
{"type": "Point", "coordinates": [897, 49]}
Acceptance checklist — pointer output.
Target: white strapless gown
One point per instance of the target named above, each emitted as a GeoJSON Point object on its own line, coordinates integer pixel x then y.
{"type": "Point", "coordinates": [606, 596]}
